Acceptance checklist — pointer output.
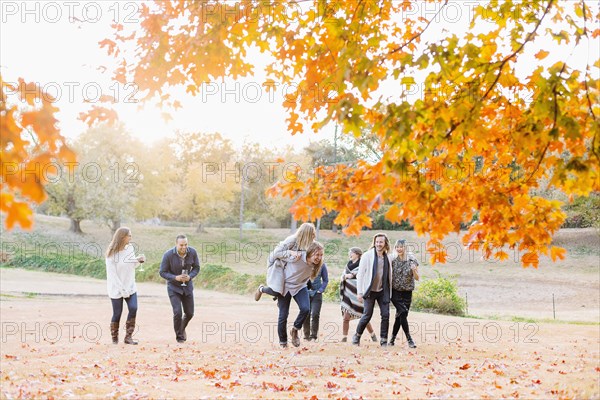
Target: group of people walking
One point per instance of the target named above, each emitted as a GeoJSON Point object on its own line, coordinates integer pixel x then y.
{"type": "Point", "coordinates": [296, 270]}
{"type": "Point", "coordinates": [379, 275]}
{"type": "Point", "coordinates": [384, 276]}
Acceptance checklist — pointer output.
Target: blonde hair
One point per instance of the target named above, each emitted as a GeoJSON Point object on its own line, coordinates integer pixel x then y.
{"type": "Point", "coordinates": [305, 236]}
{"type": "Point", "coordinates": [117, 243]}
{"type": "Point", "coordinates": [400, 242]}
{"type": "Point", "coordinates": [386, 247]}
{"type": "Point", "coordinates": [313, 248]}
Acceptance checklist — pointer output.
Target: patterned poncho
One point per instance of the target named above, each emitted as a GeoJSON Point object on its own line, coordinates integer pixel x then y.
{"type": "Point", "coordinates": [349, 302]}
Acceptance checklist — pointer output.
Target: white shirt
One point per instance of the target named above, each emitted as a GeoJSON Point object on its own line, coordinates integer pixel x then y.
{"type": "Point", "coordinates": [120, 273]}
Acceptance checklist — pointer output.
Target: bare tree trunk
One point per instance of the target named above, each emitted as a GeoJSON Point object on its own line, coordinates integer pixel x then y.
{"type": "Point", "coordinates": [318, 227]}
{"type": "Point", "coordinates": [242, 208]}
{"type": "Point", "coordinates": [75, 223]}
{"type": "Point", "coordinates": [115, 224]}
{"type": "Point", "coordinates": [200, 228]}
{"type": "Point", "coordinates": [294, 225]}
{"type": "Point", "coordinates": [75, 226]}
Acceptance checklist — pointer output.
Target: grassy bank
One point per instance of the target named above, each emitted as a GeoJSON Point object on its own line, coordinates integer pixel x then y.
{"type": "Point", "coordinates": [45, 255]}
{"type": "Point", "coordinates": [238, 265]}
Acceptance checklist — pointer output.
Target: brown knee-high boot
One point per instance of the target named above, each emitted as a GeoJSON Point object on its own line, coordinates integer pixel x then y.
{"type": "Point", "coordinates": [129, 328]}
{"type": "Point", "coordinates": [114, 332]}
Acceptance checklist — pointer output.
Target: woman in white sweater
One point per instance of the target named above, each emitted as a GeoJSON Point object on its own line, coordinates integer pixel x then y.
{"type": "Point", "coordinates": [121, 262]}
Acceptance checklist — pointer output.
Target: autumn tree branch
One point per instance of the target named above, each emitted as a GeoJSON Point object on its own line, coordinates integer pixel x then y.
{"type": "Point", "coordinates": [587, 88]}
{"type": "Point", "coordinates": [555, 118]}
{"type": "Point", "coordinates": [417, 35]}
{"type": "Point", "coordinates": [527, 39]}
{"type": "Point", "coordinates": [501, 66]}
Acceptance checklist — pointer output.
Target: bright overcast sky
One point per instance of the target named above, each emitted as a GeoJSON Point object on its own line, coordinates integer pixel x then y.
{"type": "Point", "coordinates": [40, 42]}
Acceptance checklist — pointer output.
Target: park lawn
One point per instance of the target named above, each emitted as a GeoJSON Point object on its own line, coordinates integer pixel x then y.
{"type": "Point", "coordinates": [564, 290]}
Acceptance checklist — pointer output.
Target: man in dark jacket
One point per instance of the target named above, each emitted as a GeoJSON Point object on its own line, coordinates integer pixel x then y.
{"type": "Point", "coordinates": [179, 285]}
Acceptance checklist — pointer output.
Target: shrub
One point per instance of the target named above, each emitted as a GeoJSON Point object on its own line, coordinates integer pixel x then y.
{"type": "Point", "coordinates": [215, 277]}
{"type": "Point", "coordinates": [77, 264]}
{"type": "Point", "coordinates": [332, 293]}
{"type": "Point", "coordinates": [583, 212]}
{"type": "Point", "coordinates": [439, 295]}
{"type": "Point", "coordinates": [224, 279]}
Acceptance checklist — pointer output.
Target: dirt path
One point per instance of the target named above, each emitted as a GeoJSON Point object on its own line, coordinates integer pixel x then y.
{"type": "Point", "coordinates": [57, 345]}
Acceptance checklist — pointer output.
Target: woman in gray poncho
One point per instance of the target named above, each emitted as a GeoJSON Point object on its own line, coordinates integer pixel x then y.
{"type": "Point", "coordinates": [292, 248]}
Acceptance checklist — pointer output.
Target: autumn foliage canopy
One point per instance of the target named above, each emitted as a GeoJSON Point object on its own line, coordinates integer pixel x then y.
{"type": "Point", "coordinates": [495, 122]}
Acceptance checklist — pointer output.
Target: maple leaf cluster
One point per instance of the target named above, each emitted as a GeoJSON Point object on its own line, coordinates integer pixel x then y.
{"type": "Point", "coordinates": [30, 145]}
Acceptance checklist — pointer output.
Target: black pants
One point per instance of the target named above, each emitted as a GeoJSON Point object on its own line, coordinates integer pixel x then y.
{"type": "Point", "coordinates": [383, 299]}
{"type": "Point", "coordinates": [117, 306]}
{"type": "Point", "coordinates": [181, 320]}
{"type": "Point", "coordinates": [401, 300]}
{"type": "Point", "coordinates": [311, 322]}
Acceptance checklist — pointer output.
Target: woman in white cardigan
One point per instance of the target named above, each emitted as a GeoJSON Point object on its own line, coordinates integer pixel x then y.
{"type": "Point", "coordinates": [121, 262]}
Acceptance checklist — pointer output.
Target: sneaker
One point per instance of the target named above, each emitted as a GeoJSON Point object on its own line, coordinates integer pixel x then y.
{"type": "Point", "coordinates": [180, 341]}
{"type": "Point", "coordinates": [383, 343]}
{"type": "Point", "coordinates": [295, 337]}
{"type": "Point", "coordinates": [374, 337]}
{"type": "Point", "coordinates": [411, 344]}
{"type": "Point", "coordinates": [283, 345]}
{"type": "Point", "coordinates": [344, 339]}
{"type": "Point", "coordinates": [392, 341]}
{"type": "Point", "coordinates": [356, 339]}
{"type": "Point", "coordinates": [258, 293]}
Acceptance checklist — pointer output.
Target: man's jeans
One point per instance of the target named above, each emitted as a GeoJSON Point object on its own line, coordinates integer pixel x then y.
{"type": "Point", "coordinates": [283, 302]}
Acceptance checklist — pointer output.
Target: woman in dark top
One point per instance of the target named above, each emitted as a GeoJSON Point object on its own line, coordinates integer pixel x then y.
{"type": "Point", "coordinates": [318, 286]}
{"type": "Point", "coordinates": [404, 273]}
{"type": "Point", "coordinates": [351, 307]}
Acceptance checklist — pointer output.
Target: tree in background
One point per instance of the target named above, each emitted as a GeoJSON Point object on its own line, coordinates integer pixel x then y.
{"type": "Point", "coordinates": [289, 162]}
{"type": "Point", "coordinates": [70, 196]}
{"type": "Point", "coordinates": [31, 149]}
{"type": "Point", "coordinates": [159, 171]}
{"type": "Point", "coordinates": [475, 105]}
{"type": "Point", "coordinates": [258, 171]}
{"type": "Point", "coordinates": [208, 179]}
{"type": "Point", "coordinates": [104, 184]}
{"type": "Point", "coordinates": [113, 152]}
